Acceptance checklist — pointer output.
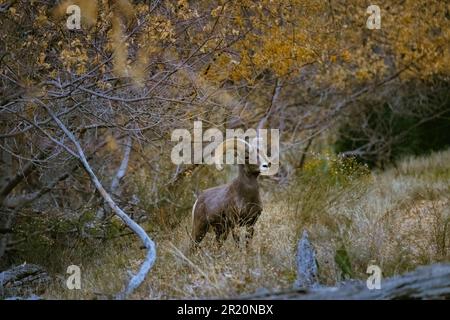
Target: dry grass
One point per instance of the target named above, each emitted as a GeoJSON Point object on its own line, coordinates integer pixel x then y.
{"type": "Point", "coordinates": [397, 219]}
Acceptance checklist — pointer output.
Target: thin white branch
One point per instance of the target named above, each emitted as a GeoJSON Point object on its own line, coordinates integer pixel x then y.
{"type": "Point", "coordinates": [123, 166]}
{"type": "Point", "coordinates": [138, 278]}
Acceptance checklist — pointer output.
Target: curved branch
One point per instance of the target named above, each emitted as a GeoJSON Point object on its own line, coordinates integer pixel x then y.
{"type": "Point", "coordinates": [123, 165]}
{"type": "Point", "coordinates": [138, 278]}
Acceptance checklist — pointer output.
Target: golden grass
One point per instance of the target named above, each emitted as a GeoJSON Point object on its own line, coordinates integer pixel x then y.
{"type": "Point", "coordinates": [397, 219]}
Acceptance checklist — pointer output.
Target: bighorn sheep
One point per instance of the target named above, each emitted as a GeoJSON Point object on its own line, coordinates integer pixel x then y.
{"type": "Point", "coordinates": [234, 204]}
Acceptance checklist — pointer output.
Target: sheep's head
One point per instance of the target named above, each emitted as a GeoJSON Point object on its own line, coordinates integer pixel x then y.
{"type": "Point", "coordinates": [251, 154]}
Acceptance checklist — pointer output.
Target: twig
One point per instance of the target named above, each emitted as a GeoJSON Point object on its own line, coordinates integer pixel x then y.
{"type": "Point", "coordinates": [139, 277]}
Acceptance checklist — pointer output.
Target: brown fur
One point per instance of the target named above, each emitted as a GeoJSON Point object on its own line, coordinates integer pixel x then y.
{"type": "Point", "coordinates": [228, 206]}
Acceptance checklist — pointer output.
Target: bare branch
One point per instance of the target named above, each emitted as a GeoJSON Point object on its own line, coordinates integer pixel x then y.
{"type": "Point", "coordinates": [123, 166]}
{"type": "Point", "coordinates": [138, 278]}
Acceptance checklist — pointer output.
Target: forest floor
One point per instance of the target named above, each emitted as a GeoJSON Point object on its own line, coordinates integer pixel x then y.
{"type": "Point", "coordinates": [397, 219]}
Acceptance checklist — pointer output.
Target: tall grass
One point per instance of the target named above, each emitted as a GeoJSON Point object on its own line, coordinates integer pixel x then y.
{"type": "Point", "coordinates": [397, 219]}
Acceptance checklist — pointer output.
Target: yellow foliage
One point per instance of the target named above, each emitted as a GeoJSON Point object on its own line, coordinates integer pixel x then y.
{"type": "Point", "coordinates": [246, 39]}
{"type": "Point", "coordinates": [111, 143]}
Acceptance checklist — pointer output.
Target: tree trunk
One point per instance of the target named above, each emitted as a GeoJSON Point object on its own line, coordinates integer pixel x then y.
{"type": "Point", "coordinates": [427, 282]}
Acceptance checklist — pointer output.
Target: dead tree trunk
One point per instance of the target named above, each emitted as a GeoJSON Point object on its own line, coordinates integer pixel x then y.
{"type": "Point", "coordinates": [427, 282]}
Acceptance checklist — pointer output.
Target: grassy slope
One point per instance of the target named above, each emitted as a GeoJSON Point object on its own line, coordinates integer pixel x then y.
{"type": "Point", "coordinates": [397, 219]}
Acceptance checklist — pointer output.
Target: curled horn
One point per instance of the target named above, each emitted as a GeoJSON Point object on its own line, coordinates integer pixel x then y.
{"type": "Point", "coordinates": [223, 147]}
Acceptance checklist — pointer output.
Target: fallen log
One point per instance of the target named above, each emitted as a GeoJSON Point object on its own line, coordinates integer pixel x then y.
{"type": "Point", "coordinates": [426, 282]}
{"type": "Point", "coordinates": [23, 280]}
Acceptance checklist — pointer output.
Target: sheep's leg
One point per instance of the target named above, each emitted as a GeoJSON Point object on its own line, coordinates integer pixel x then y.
{"type": "Point", "coordinates": [199, 232]}
{"type": "Point", "coordinates": [236, 237]}
{"type": "Point", "coordinates": [221, 234]}
{"type": "Point", "coordinates": [250, 229]}
{"type": "Point", "coordinates": [249, 235]}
